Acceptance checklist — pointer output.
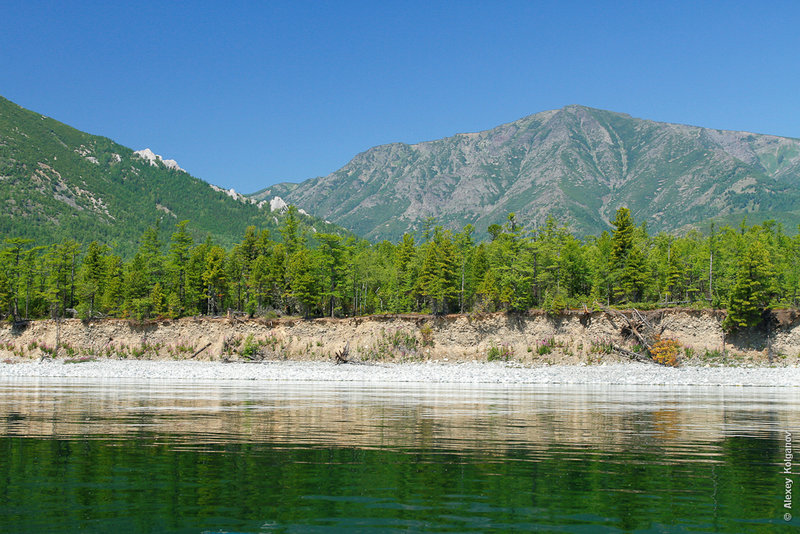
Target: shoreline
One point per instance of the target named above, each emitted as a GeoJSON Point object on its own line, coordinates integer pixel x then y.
{"type": "Point", "coordinates": [427, 372]}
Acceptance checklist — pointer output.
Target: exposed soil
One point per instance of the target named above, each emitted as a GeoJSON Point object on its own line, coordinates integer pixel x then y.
{"type": "Point", "coordinates": [532, 338]}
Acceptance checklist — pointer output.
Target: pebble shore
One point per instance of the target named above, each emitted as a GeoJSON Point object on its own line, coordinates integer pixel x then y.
{"type": "Point", "coordinates": [427, 372]}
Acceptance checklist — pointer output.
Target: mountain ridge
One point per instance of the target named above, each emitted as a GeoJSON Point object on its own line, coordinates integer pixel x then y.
{"type": "Point", "coordinates": [57, 182]}
{"type": "Point", "coordinates": [576, 163]}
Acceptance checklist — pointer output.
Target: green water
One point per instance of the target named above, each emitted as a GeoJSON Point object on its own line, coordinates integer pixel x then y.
{"type": "Point", "coordinates": [153, 457]}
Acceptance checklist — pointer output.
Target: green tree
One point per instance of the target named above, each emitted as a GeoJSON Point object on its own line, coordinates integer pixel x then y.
{"type": "Point", "coordinates": [753, 289]}
{"type": "Point", "coordinates": [437, 282]}
{"type": "Point", "coordinates": [6, 294]}
{"type": "Point", "coordinates": [179, 252]}
{"type": "Point", "coordinates": [113, 297]}
{"type": "Point", "coordinates": [627, 264]}
{"type": "Point", "coordinates": [303, 284]}
{"type": "Point", "coordinates": [60, 288]}
{"type": "Point", "coordinates": [290, 230]}
{"type": "Point", "coordinates": [331, 255]}
{"type": "Point", "coordinates": [405, 274]}
{"type": "Point", "coordinates": [91, 279]}
{"type": "Point", "coordinates": [214, 278]}
{"type": "Point", "coordinates": [12, 256]}
{"type": "Point", "coordinates": [158, 301]}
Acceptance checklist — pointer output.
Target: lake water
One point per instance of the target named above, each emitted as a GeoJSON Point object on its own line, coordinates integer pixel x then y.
{"type": "Point", "coordinates": [111, 456]}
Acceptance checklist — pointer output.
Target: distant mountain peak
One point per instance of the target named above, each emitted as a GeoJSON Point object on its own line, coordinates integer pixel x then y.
{"type": "Point", "coordinates": [578, 164]}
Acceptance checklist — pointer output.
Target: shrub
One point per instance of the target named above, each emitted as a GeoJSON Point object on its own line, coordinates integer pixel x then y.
{"type": "Point", "coordinates": [251, 348]}
{"type": "Point", "coordinates": [665, 352]}
{"type": "Point", "coordinates": [426, 331]}
{"type": "Point", "coordinates": [601, 346]}
{"type": "Point", "coordinates": [395, 343]}
{"type": "Point", "coordinates": [502, 352]}
{"type": "Point", "coordinates": [546, 346]}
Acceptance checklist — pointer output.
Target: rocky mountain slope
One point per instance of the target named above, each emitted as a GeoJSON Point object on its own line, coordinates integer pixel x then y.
{"type": "Point", "coordinates": [57, 182]}
{"type": "Point", "coordinates": [578, 164]}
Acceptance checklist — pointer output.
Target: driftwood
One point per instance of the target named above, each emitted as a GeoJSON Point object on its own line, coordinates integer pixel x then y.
{"type": "Point", "coordinates": [645, 337]}
{"type": "Point", "coordinates": [634, 355]}
{"type": "Point", "coordinates": [341, 356]}
{"type": "Point", "coordinates": [201, 350]}
{"type": "Point", "coordinates": [641, 329]}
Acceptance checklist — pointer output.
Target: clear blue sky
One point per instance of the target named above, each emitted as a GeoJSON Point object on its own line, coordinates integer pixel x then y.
{"type": "Point", "coordinates": [247, 94]}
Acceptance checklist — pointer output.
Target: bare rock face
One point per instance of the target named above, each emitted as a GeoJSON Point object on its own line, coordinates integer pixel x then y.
{"type": "Point", "coordinates": [577, 164]}
{"type": "Point", "coordinates": [153, 158]}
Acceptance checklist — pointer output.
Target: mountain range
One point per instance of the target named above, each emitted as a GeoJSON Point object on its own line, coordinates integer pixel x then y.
{"type": "Point", "coordinates": [577, 164]}
{"type": "Point", "coordinates": [57, 182]}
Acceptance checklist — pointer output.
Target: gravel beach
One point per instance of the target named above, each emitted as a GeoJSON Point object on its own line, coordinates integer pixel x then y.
{"type": "Point", "coordinates": [429, 372]}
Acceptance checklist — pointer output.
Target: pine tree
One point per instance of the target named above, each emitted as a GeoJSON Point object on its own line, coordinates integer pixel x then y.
{"type": "Point", "coordinates": [627, 264]}
{"type": "Point", "coordinates": [60, 291]}
{"type": "Point", "coordinates": [91, 280]}
{"type": "Point", "coordinates": [114, 294]}
{"type": "Point", "coordinates": [158, 302]}
{"type": "Point", "coordinates": [179, 251]}
{"type": "Point", "coordinates": [753, 289]}
{"type": "Point", "coordinates": [6, 294]}
{"type": "Point", "coordinates": [438, 276]}
{"type": "Point", "coordinates": [405, 254]}
{"type": "Point", "coordinates": [331, 256]}
{"type": "Point", "coordinates": [214, 278]}
{"type": "Point", "coordinates": [303, 283]}
{"type": "Point", "coordinates": [12, 257]}
{"type": "Point", "coordinates": [290, 230]}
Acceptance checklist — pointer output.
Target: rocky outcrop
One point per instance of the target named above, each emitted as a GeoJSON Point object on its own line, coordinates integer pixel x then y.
{"type": "Point", "coordinates": [153, 158]}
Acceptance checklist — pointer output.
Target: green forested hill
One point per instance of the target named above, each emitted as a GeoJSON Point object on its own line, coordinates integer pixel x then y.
{"type": "Point", "coordinates": [57, 182]}
{"type": "Point", "coordinates": [577, 164]}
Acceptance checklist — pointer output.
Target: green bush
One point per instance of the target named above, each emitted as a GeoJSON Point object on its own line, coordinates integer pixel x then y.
{"type": "Point", "coordinates": [251, 347]}
{"type": "Point", "coordinates": [502, 352]}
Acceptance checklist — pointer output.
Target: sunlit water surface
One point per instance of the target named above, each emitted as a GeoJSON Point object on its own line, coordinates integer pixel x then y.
{"type": "Point", "coordinates": [110, 456]}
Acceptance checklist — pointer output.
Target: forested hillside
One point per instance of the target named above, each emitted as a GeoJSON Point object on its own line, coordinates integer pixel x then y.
{"type": "Point", "coordinates": [746, 269]}
{"type": "Point", "coordinates": [576, 164]}
{"type": "Point", "coordinates": [57, 182]}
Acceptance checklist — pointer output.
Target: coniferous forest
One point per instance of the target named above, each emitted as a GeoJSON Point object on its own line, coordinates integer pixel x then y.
{"type": "Point", "coordinates": [745, 269]}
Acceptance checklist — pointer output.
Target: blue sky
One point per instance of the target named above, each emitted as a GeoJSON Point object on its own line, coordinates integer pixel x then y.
{"type": "Point", "coordinates": [247, 94]}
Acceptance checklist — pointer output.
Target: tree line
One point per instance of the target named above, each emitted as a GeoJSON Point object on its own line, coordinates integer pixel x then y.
{"type": "Point", "coordinates": [745, 269]}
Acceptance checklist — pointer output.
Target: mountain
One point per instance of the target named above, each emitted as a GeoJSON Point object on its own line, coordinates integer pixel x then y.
{"type": "Point", "coordinates": [57, 182]}
{"type": "Point", "coordinates": [578, 164]}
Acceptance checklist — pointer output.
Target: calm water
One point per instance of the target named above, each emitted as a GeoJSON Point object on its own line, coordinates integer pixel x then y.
{"type": "Point", "coordinates": [116, 457]}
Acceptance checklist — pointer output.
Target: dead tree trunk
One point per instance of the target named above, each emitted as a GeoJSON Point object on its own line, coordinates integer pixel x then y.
{"type": "Point", "coordinates": [341, 356]}
{"type": "Point", "coordinates": [639, 328]}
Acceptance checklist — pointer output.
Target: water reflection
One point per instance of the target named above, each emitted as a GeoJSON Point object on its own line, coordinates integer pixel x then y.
{"type": "Point", "coordinates": [454, 418]}
{"type": "Point", "coordinates": [262, 457]}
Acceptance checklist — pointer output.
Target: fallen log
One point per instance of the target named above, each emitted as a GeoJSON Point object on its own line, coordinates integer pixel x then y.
{"type": "Point", "coordinates": [201, 350]}
{"type": "Point", "coordinates": [634, 355]}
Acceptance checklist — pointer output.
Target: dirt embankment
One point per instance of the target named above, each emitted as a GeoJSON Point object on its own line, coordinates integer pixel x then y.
{"type": "Point", "coordinates": [533, 338]}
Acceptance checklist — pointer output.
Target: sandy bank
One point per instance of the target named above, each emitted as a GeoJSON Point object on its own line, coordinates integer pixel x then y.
{"type": "Point", "coordinates": [530, 339]}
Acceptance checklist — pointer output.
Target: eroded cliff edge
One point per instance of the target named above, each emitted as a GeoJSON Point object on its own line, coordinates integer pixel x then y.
{"type": "Point", "coordinates": [531, 338]}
